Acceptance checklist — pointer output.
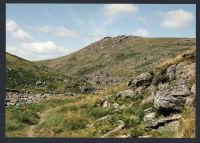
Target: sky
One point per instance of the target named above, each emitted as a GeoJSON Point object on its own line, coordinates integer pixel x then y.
{"type": "Point", "coordinates": [46, 31]}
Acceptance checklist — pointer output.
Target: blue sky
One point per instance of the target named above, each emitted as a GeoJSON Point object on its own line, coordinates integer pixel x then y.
{"type": "Point", "coordinates": [45, 31]}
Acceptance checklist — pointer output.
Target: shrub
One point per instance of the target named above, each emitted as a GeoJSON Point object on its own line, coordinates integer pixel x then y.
{"type": "Point", "coordinates": [28, 117]}
{"type": "Point", "coordinates": [80, 124]}
{"type": "Point", "coordinates": [132, 122]}
{"type": "Point", "coordinates": [136, 131]}
{"type": "Point", "coordinates": [14, 124]}
{"type": "Point", "coordinates": [139, 112]}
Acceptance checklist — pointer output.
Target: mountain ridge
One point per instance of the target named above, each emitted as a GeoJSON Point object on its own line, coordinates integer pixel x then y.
{"type": "Point", "coordinates": [123, 56]}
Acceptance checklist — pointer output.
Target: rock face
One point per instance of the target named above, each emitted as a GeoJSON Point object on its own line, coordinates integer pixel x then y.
{"type": "Point", "coordinates": [172, 98]}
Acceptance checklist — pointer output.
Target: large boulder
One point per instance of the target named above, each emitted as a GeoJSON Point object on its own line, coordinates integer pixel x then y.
{"type": "Point", "coordinates": [172, 98]}
{"type": "Point", "coordinates": [142, 80]}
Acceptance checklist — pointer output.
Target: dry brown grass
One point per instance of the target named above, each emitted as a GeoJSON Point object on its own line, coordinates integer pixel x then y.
{"type": "Point", "coordinates": [187, 124]}
{"type": "Point", "coordinates": [166, 63]}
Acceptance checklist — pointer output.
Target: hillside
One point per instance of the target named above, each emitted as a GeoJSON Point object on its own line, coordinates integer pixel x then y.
{"type": "Point", "coordinates": [144, 88]}
{"type": "Point", "coordinates": [23, 75]}
{"type": "Point", "coordinates": [112, 60]}
{"type": "Point", "coordinates": [158, 103]}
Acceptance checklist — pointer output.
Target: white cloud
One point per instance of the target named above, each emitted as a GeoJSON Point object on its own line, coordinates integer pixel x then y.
{"type": "Point", "coordinates": [41, 47]}
{"type": "Point", "coordinates": [22, 35]}
{"type": "Point", "coordinates": [177, 19]}
{"type": "Point", "coordinates": [114, 9]}
{"type": "Point", "coordinates": [31, 55]}
{"type": "Point", "coordinates": [141, 18]}
{"type": "Point", "coordinates": [141, 32]}
{"type": "Point", "coordinates": [31, 49]}
{"type": "Point", "coordinates": [11, 25]}
{"type": "Point", "coordinates": [59, 31]}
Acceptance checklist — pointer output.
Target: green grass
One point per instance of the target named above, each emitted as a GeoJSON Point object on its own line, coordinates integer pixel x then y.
{"type": "Point", "coordinates": [22, 74]}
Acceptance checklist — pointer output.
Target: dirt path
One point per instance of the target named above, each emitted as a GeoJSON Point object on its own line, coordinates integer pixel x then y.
{"type": "Point", "coordinates": [43, 115]}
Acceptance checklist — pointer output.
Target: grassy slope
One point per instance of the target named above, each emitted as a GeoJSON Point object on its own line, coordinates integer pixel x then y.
{"type": "Point", "coordinates": [70, 117]}
{"type": "Point", "coordinates": [124, 56]}
{"type": "Point", "coordinates": [22, 74]}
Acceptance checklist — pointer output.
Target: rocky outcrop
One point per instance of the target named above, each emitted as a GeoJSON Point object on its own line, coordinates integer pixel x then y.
{"type": "Point", "coordinates": [172, 98]}
{"type": "Point", "coordinates": [154, 124]}
{"type": "Point", "coordinates": [143, 80]}
{"type": "Point", "coordinates": [17, 98]}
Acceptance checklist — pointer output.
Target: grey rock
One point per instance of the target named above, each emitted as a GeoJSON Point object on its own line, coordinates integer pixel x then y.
{"type": "Point", "coordinates": [171, 98]}
{"type": "Point", "coordinates": [163, 85]}
{"type": "Point", "coordinates": [125, 93]}
{"type": "Point", "coordinates": [115, 105]}
{"type": "Point", "coordinates": [188, 54]}
{"type": "Point", "coordinates": [160, 78]}
{"type": "Point", "coordinates": [185, 72]}
{"type": "Point", "coordinates": [149, 116]}
{"type": "Point", "coordinates": [171, 72]}
{"type": "Point", "coordinates": [155, 124]}
{"type": "Point", "coordinates": [106, 104]}
{"type": "Point", "coordinates": [140, 89]}
{"type": "Point", "coordinates": [142, 80]}
{"type": "Point", "coordinates": [38, 82]}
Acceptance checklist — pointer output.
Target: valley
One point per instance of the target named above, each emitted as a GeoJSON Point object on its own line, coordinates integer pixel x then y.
{"type": "Point", "coordinates": [117, 87]}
